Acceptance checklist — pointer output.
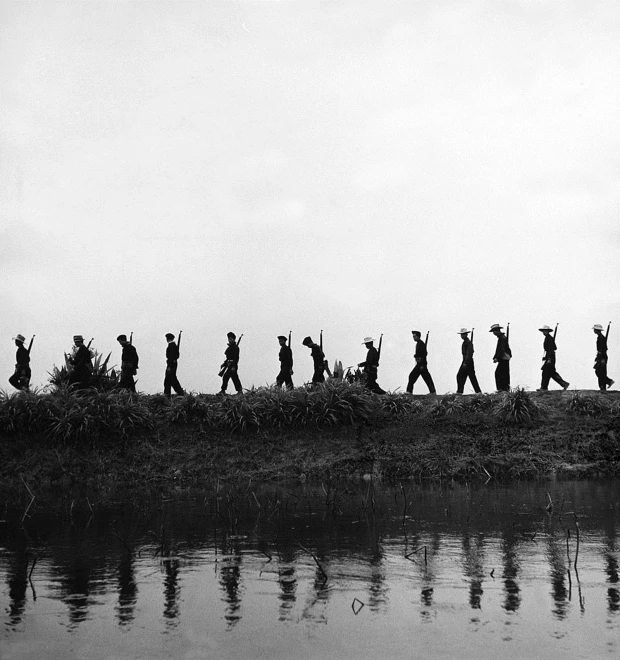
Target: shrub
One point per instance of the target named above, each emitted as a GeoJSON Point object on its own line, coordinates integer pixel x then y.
{"type": "Point", "coordinates": [585, 405]}
{"type": "Point", "coordinates": [517, 406]}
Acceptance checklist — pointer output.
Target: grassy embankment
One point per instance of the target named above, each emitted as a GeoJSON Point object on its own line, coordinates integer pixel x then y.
{"type": "Point", "coordinates": [336, 430]}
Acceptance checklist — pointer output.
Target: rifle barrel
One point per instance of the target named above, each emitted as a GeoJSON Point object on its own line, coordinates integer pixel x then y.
{"type": "Point", "coordinates": [607, 332]}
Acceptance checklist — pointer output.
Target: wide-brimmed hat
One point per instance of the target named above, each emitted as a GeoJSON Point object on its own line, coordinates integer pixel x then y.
{"type": "Point", "coordinates": [78, 338]}
{"type": "Point", "coordinates": [121, 338]}
{"type": "Point", "coordinates": [282, 337]}
{"type": "Point", "coordinates": [596, 326]}
{"type": "Point", "coordinates": [307, 341]}
{"type": "Point", "coordinates": [495, 326]}
{"type": "Point", "coordinates": [169, 335]}
{"type": "Point", "coordinates": [19, 338]}
{"type": "Point", "coordinates": [367, 340]}
{"type": "Point", "coordinates": [463, 331]}
{"type": "Point", "coordinates": [545, 328]}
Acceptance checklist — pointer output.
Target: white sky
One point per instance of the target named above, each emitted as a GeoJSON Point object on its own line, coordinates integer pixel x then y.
{"type": "Point", "coordinates": [357, 167]}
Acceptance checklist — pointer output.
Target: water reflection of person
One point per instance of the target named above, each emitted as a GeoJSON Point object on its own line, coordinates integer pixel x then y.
{"type": "Point", "coordinates": [611, 563]}
{"type": "Point", "coordinates": [474, 567]}
{"type": "Point", "coordinates": [510, 570]}
{"type": "Point", "coordinates": [320, 597]}
{"type": "Point", "coordinates": [171, 592]}
{"type": "Point", "coordinates": [230, 579]}
{"type": "Point", "coordinates": [429, 577]}
{"type": "Point", "coordinates": [556, 555]}
{"type": "Point", "coordinates": [378, 587]}
{"type": "Point", "coordinates": [288, 590]}
{"type": "Point", "coordinates": [127, 589]}
{"type": "Point", "coordinates": [17, 579]}
{"type": "Point", "coordinates": [76, 587]}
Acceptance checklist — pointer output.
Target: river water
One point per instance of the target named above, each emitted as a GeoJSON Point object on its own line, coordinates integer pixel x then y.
{"type": "Point", "coordinates": [352, 569]}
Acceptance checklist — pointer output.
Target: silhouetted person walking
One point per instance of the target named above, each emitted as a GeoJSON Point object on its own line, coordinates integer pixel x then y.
{"type": "Point", "coordinates": [20, 380]}
{"type": "Point", "coordinates": [502, 358]}
{"type": "Point", "coordinates": [318, 358]}
{"type": "Point", "coordinates": [371, 367]}
{"type": "Point", "coordinates": [129, 364]}
{"type": "Point", "coordinates": [421, 366]}
{"type": "Point", "coordinates": [466, 370]}
{"type": "Point", "coordinates": [548, 368]}
{"type": "Point", "coordinates": [171, 382]}
{"type": "Point", "coordinates": [229, 368]}
{"type": "Point", "coordinates": [600, 361]}
{"type": "Point", "coordinates": [81, 363]}
{"type": "Point", "coordinates": [286, 364]}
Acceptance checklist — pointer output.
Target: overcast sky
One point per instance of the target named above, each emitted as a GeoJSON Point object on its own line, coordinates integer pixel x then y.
{"type": "Point", "coordinates": [353, 166]}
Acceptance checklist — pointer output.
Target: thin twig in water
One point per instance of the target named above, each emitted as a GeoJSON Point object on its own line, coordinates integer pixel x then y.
{"type": "Point", "coordinates": [577, 548]}
{"type": "Point", "coordinates": [31, 500]}
{"type": "Point", "coordinates": [413, 552]}
{"type": "Point", "coordinates": [316, 561]}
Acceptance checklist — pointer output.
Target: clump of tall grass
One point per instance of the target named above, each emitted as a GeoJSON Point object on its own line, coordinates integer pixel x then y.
{"type": "Point", "coordinates": [62, 415]}
{"type": "Point", "coordinates": [481, 403]}
{"type": "Point", "coordinates": [102, 377]}
{"type": "Point", "coordinates": [585, 405]}
{"type": "Point", "coordinates": [396, 405]}
{"type": "Point", "coordinates": [446, 406]}
{"type": "Point", "coordinates": [517, 406]}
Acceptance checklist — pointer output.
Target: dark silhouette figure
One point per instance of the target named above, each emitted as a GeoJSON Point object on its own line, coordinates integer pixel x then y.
{"type": "Point", "coordinates": [20, 380]}
{"type": "Point", "coordinates": [548, 368]}
{"type": "Point", "coordinates": [502, 358]}
{"type": "Point", "coordinates": [600, 361]}
{"type": "Point", "coordinates": [466, 370]}
{"type": "Point", "coordinates": [371, 367]}
{"type": "Point", "coordinates": [171, 382]}
{"type": "Point", "coordinates": [318, 358]}
{"type": "Point", "coordinates": [129, 364]}
{"type": "Point", "coordinates": [286, 364]}
{"type": "Point", "coordinates": [81, 363]}
{"type": "Point", "coordinates": [230, 366]}
{"type": "Point", "coordinates": [421, 366]}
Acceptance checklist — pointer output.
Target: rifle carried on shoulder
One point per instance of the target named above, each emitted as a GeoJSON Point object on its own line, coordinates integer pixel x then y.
{"type": "Point", "coordinates": [426, 340]}
{"type": "Point", "coordinates": [472, 336]}
{"type": "Point", "coordinates": [179, 342]}
{"type": "Point", "coordinates": [289, 338]}
{"type": "Point", "coordinates": [131, 338]}
{"type": "Point", "coordinates": [508, 330]}
{"type": "Point", "coordinates": [606, 333]}
{"type": "Point", "coordinates": [33, 336]}
{"type": "Point", "coordinates": [555, 332]}
{"type": "Point", "coordinates": [90, 342]}
{"type": "Point", "coordinates": [379, 348]}
{"type": "Point", "coordinates": [224, 367]}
